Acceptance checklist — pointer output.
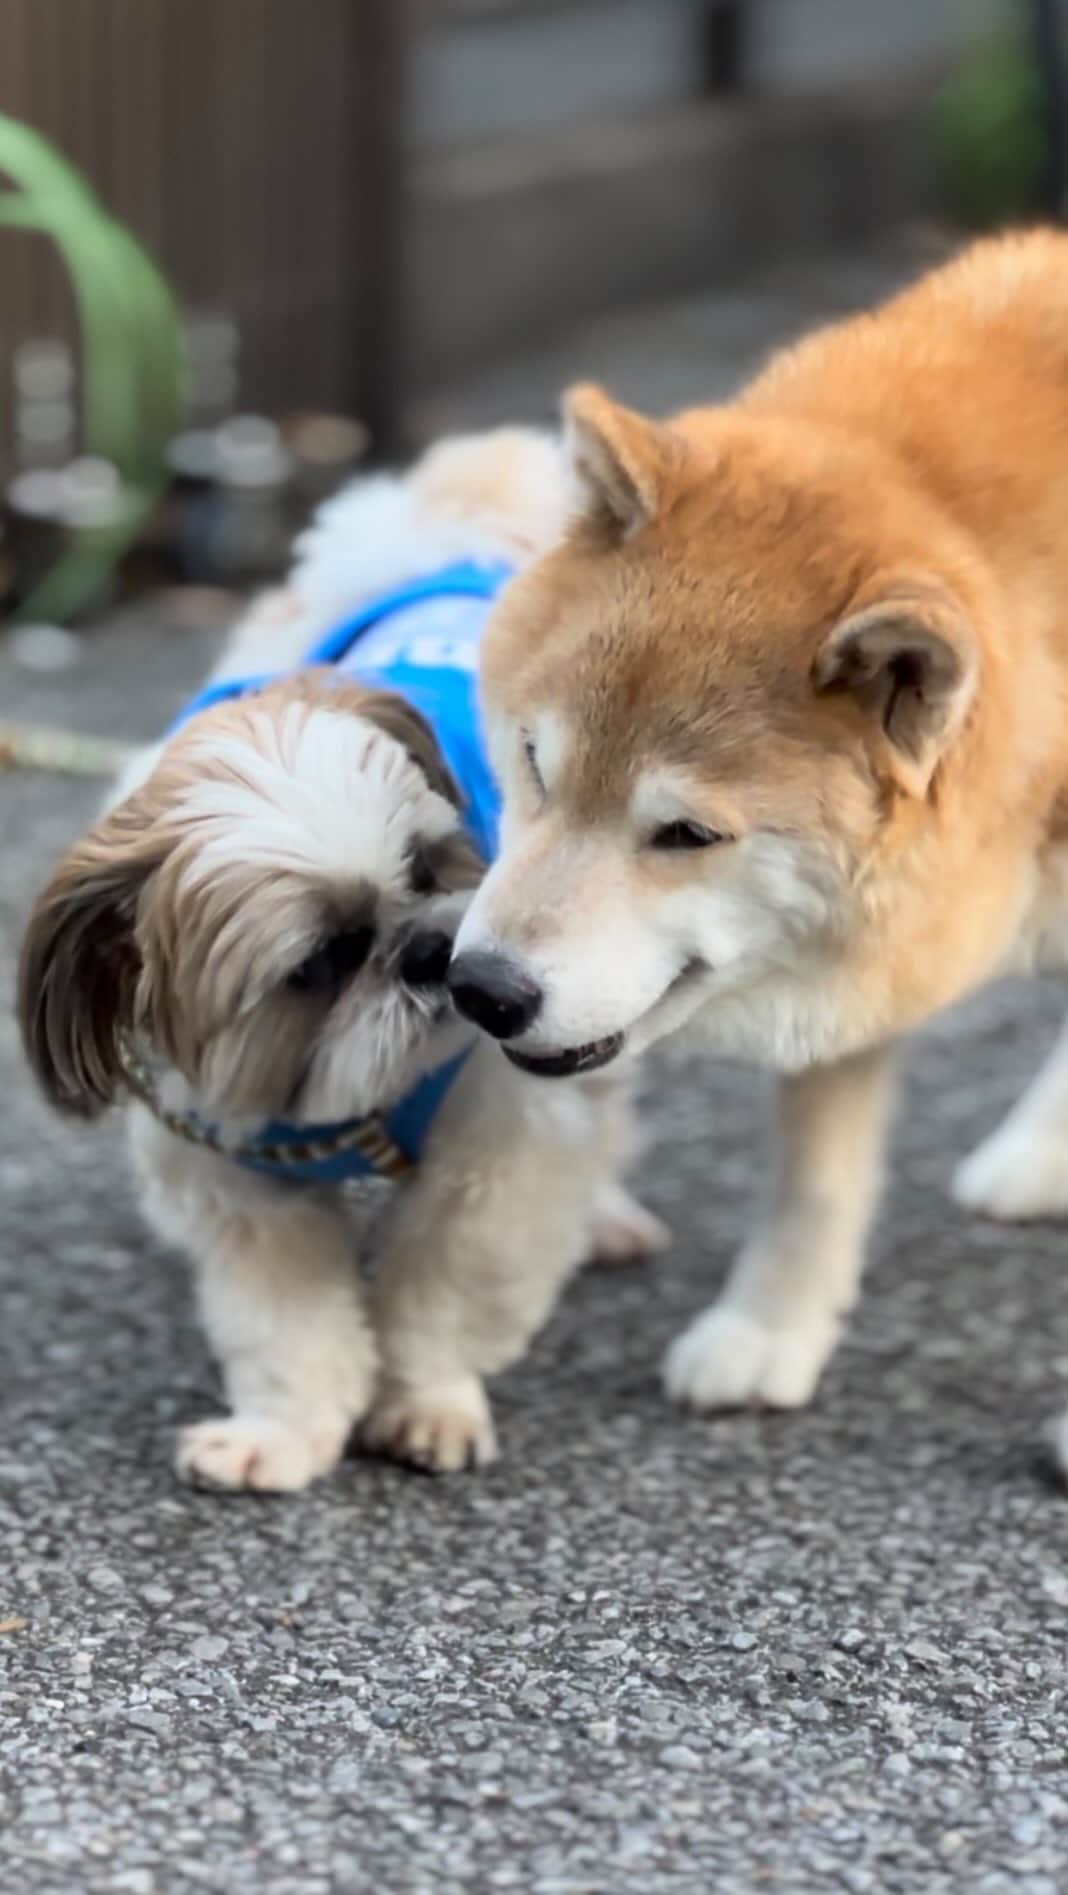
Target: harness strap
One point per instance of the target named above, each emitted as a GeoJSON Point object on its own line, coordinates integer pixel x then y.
{"type": "Point", "coordinates": [464, 580]}
{"type": "Point", "coordinates": [379, 1145]}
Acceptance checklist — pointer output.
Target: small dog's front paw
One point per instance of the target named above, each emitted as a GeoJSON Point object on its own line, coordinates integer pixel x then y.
{"type": "Point", "coordinates": [623, 1230]}
{"type": "Point", "coordinates": [1013, 1176]}
{"type": "Point", "coordinates": [257, 1453]}
{"type": "Point", "coordinates": [726, 1359]}
{"type": "Point", "coordinates": [443, 1428]}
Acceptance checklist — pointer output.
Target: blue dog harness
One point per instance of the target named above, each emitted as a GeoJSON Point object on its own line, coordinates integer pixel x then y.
{"type": "Point", "coordinates": [420, 641]}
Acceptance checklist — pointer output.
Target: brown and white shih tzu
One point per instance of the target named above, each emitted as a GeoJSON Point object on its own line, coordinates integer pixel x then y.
{"type": "Point", "coordinates": [250, 948]}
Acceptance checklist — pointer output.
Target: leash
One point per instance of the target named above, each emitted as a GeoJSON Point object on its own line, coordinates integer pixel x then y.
{"type": "Point", "coordinates": [60, 752]}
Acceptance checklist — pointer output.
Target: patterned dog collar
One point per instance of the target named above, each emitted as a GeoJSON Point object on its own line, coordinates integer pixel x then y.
{"type": "Point", "coordinates": [382, 1145]}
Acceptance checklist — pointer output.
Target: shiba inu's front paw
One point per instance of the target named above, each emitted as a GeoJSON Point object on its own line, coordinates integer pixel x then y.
{"type": "Point", "coordinates": [727, 1359]}
{"type": "Point", "coordinates": [1015, 1175]}
{"type": "Point", "coordinates": [256, 1453]}
{"type": "Point", "coordinates": [443, 1428]}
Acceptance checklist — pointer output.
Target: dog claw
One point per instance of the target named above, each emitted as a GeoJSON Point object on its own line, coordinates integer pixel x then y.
{"type": "Point", "coordinates": [443, 1431]}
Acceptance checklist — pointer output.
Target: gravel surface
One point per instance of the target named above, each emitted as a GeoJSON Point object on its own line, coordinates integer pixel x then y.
{"type": "Point", "coordinates": [644, 1652]}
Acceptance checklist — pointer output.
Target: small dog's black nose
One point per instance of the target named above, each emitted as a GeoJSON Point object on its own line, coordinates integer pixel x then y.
{"type": "Point", "coordinates": [494, 993]}
{"type": "Point", "coordinates": [425, 961]}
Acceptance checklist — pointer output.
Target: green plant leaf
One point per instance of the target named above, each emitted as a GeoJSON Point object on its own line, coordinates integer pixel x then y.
{"type": "Point", "coordinates": [132, 372]}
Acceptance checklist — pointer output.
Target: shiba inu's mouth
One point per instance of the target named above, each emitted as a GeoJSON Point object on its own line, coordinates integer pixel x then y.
{"type": "Point", "coordinates": [596, 1053]}
{"type": "Point", "coordinates": [574, 1059]}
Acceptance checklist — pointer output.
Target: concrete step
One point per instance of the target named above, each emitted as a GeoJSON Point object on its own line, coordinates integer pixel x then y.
{"type": "Point", "coordinates": [520, 65]}
{"type": "Point", "coordinates": [488, 67]}
{"type": "Point", "coordinates": [691, 349]}
{"type": "Point", "coordinates": [515, 238]}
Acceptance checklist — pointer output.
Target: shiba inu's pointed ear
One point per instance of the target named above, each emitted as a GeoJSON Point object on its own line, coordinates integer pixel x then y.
{"type": "Point", "coordinates": [912, 663]}
{"type": "Point", "coordinates": [619, 460]}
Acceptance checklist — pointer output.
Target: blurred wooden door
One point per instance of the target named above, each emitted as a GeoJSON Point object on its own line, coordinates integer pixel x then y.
{"type": "Point", "coordinates": [231, 135]}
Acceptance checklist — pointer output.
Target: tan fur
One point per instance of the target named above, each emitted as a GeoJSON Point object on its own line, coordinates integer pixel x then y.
{"type": "Point", "coordinates": [836, 612]}
{"type": "Point", "coordinates": [916, 454]}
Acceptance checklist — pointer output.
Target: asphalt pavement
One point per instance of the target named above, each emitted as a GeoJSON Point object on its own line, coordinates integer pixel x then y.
{"type": "Point", "coordinates": [645, 1652]}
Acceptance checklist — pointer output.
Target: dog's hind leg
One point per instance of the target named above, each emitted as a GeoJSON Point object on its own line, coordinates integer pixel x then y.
{"type": "Point", "coordinates": [1021, 1170]}
{"type": "Point", "coordinates": [624, 1231]}
{"type": "Point", "coordinates": [478, 1247]}
{"type": "Point", "coordinates": [773, 1329]}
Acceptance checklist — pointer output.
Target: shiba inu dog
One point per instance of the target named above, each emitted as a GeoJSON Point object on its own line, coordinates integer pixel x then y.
{"type": "Point", "coordinates": [782, 726]}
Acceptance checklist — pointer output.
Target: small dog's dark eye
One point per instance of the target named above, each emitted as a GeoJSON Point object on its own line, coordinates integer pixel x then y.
{"type": "Point", "coordinates": [421, 877]}
{"type": "Point", "coordinates": [337, 960]}
{"type": "Point", "coordinates": [684, 835]}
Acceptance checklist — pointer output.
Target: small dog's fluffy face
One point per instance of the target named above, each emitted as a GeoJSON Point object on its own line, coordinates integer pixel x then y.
{"type": "Point", "coordinates": [269, 915]}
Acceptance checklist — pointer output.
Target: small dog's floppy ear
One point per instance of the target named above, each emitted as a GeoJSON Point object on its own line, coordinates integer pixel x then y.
{"type": "Point", "coordinates": [913, 664]}
{"type": "Point", "coordinates": [407, 727]}
{"type": "Point", "coordinates": [79, 965]}
{"type": "Point", "coordinates": [619, 460]}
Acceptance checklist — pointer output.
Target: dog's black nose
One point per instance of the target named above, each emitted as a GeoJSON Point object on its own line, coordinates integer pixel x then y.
{"type": "Point", "coordinates": [425, 961]}
{"type": "Point", "coordinates": [494, 993]}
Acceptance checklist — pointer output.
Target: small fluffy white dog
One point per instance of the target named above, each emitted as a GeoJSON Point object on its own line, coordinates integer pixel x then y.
{"type": "Point", "coordinates": [251, 946]}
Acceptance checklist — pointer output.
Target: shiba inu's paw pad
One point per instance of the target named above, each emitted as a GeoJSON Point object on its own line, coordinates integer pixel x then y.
{"type": "Point", "coordinates": [1014, 1175]}
{"type": "Point", "coordinates": [726, 1359]}
{"type": "Point", "coordinates": [256, 1453]}
{"type": "Point", "coordinates": [623, 1230]}
{"type": "Point", "coordinates": [443, 1429]}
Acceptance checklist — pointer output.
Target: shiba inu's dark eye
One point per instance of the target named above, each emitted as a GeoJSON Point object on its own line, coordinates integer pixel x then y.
{"type": "Point", "coordinates": [334, 962]}
{"type": "Point", "coordinates": [531, 756]}
{"type": "Point", "coordinates": [684, 835]}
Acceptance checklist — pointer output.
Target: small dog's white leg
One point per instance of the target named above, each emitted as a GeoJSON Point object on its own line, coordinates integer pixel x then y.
{"type": "Point", "coordinates": [1021, 1170]}
{"type": "Point", "coordinates": [283, 1307]}
{"type": "Point", "coordinates": [779, 1317]}
{"type": "Point", "coordinates": [478, 1249]}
